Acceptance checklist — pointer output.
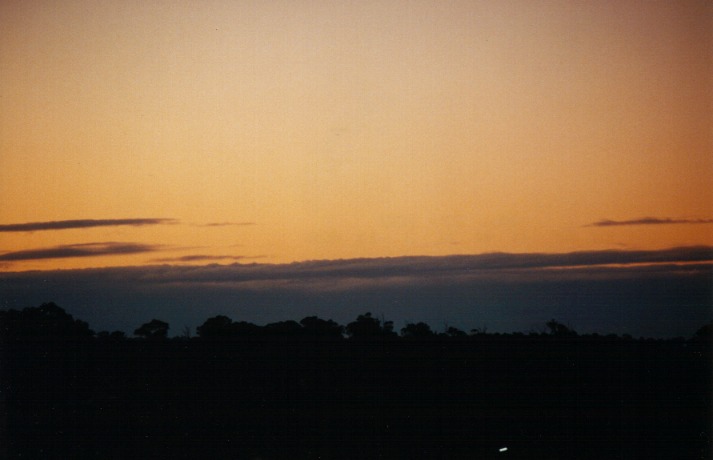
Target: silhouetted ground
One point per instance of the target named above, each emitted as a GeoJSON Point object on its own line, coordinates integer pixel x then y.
{"type": "Point", "coordinates": [540, 398]}
{"type": "Point", "coordinates": [275, 397]}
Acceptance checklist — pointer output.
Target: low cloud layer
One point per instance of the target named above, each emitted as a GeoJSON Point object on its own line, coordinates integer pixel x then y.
{"type": "Point", "coordinates": [81, 223]}
{"type": "Point", "coordinates": [427, 268]}
{"type": "Point", "coordinates": [78, 250]}
{"type": "Point", "coordinates": [646, 293]}
{"type": "Point", "coordinates": [649, 221]}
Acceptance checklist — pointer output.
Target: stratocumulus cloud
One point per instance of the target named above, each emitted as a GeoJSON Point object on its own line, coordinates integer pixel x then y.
{"type": "Point", "coordinates": [648, 221]}
{"type": "Point", "coordinates": [81, 223]}
{"type": "Point", "coordinates": [78, 250]}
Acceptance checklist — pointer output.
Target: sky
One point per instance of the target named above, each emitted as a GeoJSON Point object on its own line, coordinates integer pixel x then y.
{"type": "Point", "coordinates": [271, 133]}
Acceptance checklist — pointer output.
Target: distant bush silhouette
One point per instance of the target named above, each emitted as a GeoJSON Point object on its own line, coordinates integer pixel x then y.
{"type": "Point", "coordinates": [705, 332]}
{"type": "Point", "coordinates": [283, 329]}
{"type": "Point", "coordinates": [48, 321]}
{"type": "Point", "coordinates": [367, 326]}
{"type": "Point", "coordinates": [113, 336]}
{"type": "Point", "coordinates": [558, 329]}
{"type": "Point", "coordinates": [222, 327]}
{"type": "Point", "coordinates": [216, 327]}
{"type": "Point", "coordinates": [315, 327]}
{"type": "Point", "coordinates": [153, 330]}
{"type": "Point", "coordinates": [455, 333]}
{"type": "Point", "coordinates": [417, 331]}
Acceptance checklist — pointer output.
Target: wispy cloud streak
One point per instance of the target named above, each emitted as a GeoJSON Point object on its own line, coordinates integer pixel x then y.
{"type": "Point", "coordinates": [78, 250]}
{"type": "Point", "coordinates": [648, 221]}
{"type": "Point", "coordinates": [202, 258]}
{"type": "Point", "coordinates": [81, 223]}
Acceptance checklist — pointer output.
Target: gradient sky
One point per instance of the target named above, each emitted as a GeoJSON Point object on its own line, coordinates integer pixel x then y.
{"type": "Point", "coordinates": [287, 131]}
{"type": "Point", "coordinates": [563, 149]}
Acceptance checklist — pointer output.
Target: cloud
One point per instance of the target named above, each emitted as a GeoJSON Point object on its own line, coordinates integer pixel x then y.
{"type": "Point", "coordinates": [78, 250]}
{"type": "Point", "coordinates": [408, 267]}
{"type": "Point", "coordinates": [648, 221]}
{"type": "Point", "coordinates": [203, 258]}
{"type": "Point", "coordinates": [425, 267]}
{"type": "Point", "coordinates": [650, 293]}
{"type": "Point", "coordinates": [81, 223]}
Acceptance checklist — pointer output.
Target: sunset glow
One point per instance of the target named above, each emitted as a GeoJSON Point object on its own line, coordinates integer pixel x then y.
{"type": "Point", "coordinates": [328, 130]}
{"type": "Point", "coordinates": [356, 229]}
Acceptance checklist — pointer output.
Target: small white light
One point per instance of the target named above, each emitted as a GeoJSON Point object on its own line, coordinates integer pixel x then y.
{"type": "Point", "coordinates": [503, 449]}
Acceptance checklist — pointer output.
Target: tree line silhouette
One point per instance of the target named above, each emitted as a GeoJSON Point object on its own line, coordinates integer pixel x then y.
{"type": "Point", "coordinates": [316, 389]}
{"type": "Point", "coordinates": [51, 322]}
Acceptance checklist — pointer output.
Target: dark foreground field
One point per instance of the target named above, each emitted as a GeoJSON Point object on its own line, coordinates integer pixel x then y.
{"type": "Point", "coordinates": [541, 397]}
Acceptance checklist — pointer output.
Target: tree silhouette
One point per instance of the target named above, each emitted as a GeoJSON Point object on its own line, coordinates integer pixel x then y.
{"type": "Point", "coordinates": [283, 329]}
{"type": "Point", "coordinates": [317, 327]}
{"type": "Point", "coordinates": [215, 327]}
{"type": "Point", "coordinates": [113, 336]}
{"type": "Point", "coordinates": [705, 332]}
{"type": "Point", "coordinates": [48, 321]}
{"type": "Point", "coordinates": [454, 332]}
{"type": "Point", "coordinates": [366, 326]}
{"type": "Point", "coordinates": [154, 329]}
{"type": "Point", "coordinates": [222, 327]}
{"type": "Point", "coordinates": [418, 330]}
{"type": "Point", "coordinates": [245, 329]}
{"type": "Point", "coordinates": [558, 329]}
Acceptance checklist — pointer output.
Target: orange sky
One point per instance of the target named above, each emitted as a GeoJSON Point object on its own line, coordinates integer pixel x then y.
{"type": "Point", "coordinates": [353, 129]}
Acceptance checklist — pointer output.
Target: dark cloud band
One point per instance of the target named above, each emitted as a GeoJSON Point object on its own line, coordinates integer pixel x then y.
{"type": "Point", "coordinates": [78, 250]}
{"type": "Point", "coordinates": [80, 223]}
{"type": "Point", "coordinates": [648, 221]}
